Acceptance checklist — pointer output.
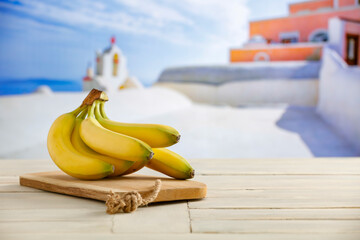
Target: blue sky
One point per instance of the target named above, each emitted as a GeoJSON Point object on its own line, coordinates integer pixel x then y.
{"type": "Point", "coordinates": [57, 39]}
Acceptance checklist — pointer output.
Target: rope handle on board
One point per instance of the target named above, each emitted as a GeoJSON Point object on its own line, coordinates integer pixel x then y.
{"type": "Point", "coordinates": [130, 201]}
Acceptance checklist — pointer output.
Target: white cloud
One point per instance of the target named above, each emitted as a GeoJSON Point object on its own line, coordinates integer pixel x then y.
{"type": "Point", "coordinates": [226, 25]}
{"type": "Point", "coordinates": [156, 11]}
{"type": "Point", "coordinates": [211, 25]}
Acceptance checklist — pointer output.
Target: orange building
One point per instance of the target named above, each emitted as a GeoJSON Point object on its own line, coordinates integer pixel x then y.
{"type": "Point", "coordinates": [302, 34]}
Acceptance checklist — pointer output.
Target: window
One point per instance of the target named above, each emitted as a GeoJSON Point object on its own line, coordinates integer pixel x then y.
{"type": "Point", "coordinates": [319, 35]}
{"type": "Point", "coordinates": [98, 65]}
{"type": "Point", "coordinates": [289, 37]}
{"type": "Point", "coordinates": [352, 49]}
{"type": "Point", "coordinates": [289, 40]}
{"type": "Point", "coordinates": [115, 64]}
{"type": "Point", "coordinates": [257, 39]}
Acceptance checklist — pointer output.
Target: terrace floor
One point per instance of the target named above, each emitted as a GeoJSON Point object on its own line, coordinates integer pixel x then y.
{"type": "Point", "coordinates": [254, 200]}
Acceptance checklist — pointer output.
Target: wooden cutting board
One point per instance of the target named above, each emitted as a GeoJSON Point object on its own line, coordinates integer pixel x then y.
{"type": "Point", "coordinates": [59, 182]}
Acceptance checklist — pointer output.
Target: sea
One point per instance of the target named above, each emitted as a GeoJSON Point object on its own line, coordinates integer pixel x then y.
{"type": "Point", "coordinates": [26, 86]}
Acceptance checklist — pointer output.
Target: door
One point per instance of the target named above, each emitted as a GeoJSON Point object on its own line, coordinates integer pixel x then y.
{"type": "Point", "coordinates": [352, 49]}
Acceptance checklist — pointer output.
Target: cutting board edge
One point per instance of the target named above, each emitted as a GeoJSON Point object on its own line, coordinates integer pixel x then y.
{"type": "Point", "coordinates": [71, 191]}
{"type": "Point", "coordinates": [38, 182]}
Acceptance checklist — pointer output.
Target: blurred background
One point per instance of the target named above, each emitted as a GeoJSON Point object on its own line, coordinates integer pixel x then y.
{"type": "Point", "coordinates": [237, 78]}
{"type": "Point", "coordinates": [57, 40]}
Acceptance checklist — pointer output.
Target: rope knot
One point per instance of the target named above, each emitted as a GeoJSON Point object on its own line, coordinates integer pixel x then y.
{"type": "Point", "coordinates": [130, 201]}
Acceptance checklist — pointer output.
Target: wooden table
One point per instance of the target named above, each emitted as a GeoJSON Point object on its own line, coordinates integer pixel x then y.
{"type": "Point", "coordinates": [247, 199]}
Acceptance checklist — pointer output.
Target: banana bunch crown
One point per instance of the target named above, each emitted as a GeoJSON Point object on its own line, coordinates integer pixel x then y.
{"type": "Point", "coordinates": [86, 144]}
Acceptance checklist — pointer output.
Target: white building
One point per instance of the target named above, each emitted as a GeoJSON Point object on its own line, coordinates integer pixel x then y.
{"type": "Point", "coordinates": [111, 71]}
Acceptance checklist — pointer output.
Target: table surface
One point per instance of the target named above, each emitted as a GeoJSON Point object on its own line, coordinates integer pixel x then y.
{"type": "Point", "coordinates": [316, 198]}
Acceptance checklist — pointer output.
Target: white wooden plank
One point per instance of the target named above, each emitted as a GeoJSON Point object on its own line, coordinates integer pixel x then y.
{"type": "Point", "coordinates": [241, 203]}
{"type": "Point", "coordinates": [284, 193]}
{"type": "Point", "coordinates": [275, 226]}
{"type": "Point", "coordinates": [275, 214]}
{"type": "Point", "coordinates": [61, 214]}
{"type": "Point", "coordinates": [282, 182]}
{"type": "Point", "coordinates": [16, 188]}
{"type": "Point", "coordinates": [8, 179]}
{"type": "Point", "coordinates": [277, 166]}
{"type": "Point", "coordinates": [45, 200]}
{"type": "Point", "coordinates": [11, 184]}
{"type": "Point", "coordinates": [157, 218]}
{"type": "Point", "coordinates": [55, 227]}
{"type": "Point", "coordinates": [280, 198]}
{"type": "Point", "coordinates": [193, 236]}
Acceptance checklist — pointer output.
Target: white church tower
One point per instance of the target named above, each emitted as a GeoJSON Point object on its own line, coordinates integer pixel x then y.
{"type": "Point", "coordinates": [111, 72]}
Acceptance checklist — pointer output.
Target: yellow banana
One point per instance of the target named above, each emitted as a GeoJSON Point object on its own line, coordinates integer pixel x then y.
{"type": "Point", "coordinates": [66, 157]}
{"type": "Point", "coordinates": [110, 143]}
{"type": "Point", "coordinates": [120, 165]}
{"type": "Point", "coordinates": [171, 164]}
{"type": "Point", "coordinates": [156, 135]}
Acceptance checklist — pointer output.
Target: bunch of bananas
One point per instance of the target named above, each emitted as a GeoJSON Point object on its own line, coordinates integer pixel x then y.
{"type": "Point", "coordinates": [86, 144]}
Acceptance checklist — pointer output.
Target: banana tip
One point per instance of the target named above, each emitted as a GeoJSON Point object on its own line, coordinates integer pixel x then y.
{"type": "Point", "coordinates": [192, 173]}
{"type": "Point", "coordinates": [178, 138]}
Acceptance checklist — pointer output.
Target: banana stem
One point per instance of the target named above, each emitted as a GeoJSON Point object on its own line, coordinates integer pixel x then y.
{"type": "Point", "coordinates": [102, 110]}
{"type": "Point", "coordinates": [93, 95]}
{"type": "Point", "coordinates": [78, 110]}
{"type": "Point", "coordinates": [83, 113]}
